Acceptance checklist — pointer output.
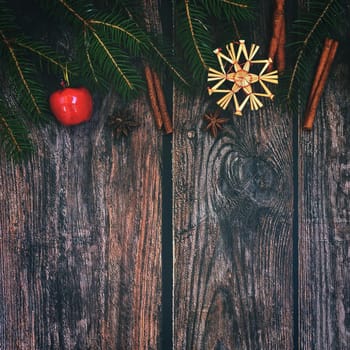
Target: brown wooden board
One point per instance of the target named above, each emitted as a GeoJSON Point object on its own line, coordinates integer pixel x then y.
{"type": "Point", "coordinates": [80, 234]}
{"type": "Point", "coordinates": [233, 231]}
{"type": "Point", "coordinates": [324, 219]}
{"type": "Point", "coordinates": [233, 225]}
{"type": "Point", "coordinates": [80, 226]}
{"type": "Point", "coordinates": [260, 228]}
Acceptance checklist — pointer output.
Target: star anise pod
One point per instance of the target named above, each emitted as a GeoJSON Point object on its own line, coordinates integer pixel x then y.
{"type": "Point", "coordinates": [214, 123]}
{"type": "Point", "coordinates": [122, 125]}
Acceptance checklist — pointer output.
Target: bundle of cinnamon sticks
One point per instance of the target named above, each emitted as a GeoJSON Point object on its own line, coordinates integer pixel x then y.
{"type": "Point", "coordinates": [157, 100]}
{"type": "Point", "coordinates": [322, 72]}
{"type": "Point", "coordinates": [278, 40]}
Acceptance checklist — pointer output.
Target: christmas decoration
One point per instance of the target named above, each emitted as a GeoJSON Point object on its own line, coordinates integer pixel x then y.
{"type": "Point", "coordinates": [196, 30]}
{"type": "Point", "coordinates": [235, 74]}
{"type": "Point", "coordinates": [314, 23]}
{"type": "Point", "coordinates": [106, 44]}
{"type": "Point", "coordinates": [157, 100]}
{"type": "Point", "coordinates": [324, 66]}
{"type": "Point", "coordinates": [278, 40]}
{"type": "Point", "coordinates": [122, 125]}
{"type": "Point", "coordinates": [214, 123]}
{"type": "Point", "coordinates": [71, 106]}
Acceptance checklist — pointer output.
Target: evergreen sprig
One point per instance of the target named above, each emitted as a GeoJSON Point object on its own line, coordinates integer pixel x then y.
{"type": "Point", "coordinates": [109, 42]}
{"type": "Point", "coordinates": [195, 32]}
{"type": "Point", "coordinates": [14, 137]}
{"type": "Point", "coordinates": [23, 99]}
{"type": "Point", "coordinates": [162, 55]}
{"type": "Point", "coordinates": [310, 29]}
{"type": "Point", "coordinates": [123, 31]}
{"type": "Point", "coordinates": [230, 9]}
{"type": "Point", "coordinates": [18, 54]}
{"type": "Point", "coordinates": [195, 37]}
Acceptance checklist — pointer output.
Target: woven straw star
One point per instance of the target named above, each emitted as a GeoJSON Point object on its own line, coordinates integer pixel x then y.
{"type": "Point", "coordinates": [235, 80]}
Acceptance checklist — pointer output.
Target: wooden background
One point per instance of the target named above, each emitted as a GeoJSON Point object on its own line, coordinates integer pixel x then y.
{"type": "Point", "coordinates": [260, 229]}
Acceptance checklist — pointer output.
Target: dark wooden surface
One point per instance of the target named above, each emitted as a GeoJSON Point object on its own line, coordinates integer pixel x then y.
{"type": "Point", "coordinates": [233, 208]}
{"type": "Point", "coordinates": [233, 200]}
{"type": "Point", "coordinates": [324, 220]}
{"type": "Point", "coordinates": [261, 229]}
{"type": "Point", "coordinates": [80, 239]}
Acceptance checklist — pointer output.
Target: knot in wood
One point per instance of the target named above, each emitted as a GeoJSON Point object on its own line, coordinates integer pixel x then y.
{"type": "Point", "coordinates": [253, 178]}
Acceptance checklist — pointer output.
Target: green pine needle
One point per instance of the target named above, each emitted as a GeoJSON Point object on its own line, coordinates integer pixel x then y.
{"type": "Point", "coordinates": [123, 32]}
{"type": "Point", "coordinates": [107, 41]}
{"type": "Point", "coordinates": [43, 52]}
{"type": "Point", "coordinates": [195, 38]}
{"type": "Point", "coordinates": [23, 75]}
{"type": "Point", "coordinates": [162, 56]}
{"type": "Point", "coordinates": [228, 9]}
{"type": "Point", "coordinates": [310, 31]}
{"type": "Point", "coordinates": [14, 137]}
{"type": "Point", "coordinates": [110, 66]}
{"type": "Point", "coordinates": [106, 37]}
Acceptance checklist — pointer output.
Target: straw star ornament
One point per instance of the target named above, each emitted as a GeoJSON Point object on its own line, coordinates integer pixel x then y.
{"type": "Point", "coordinates": [235, 79]}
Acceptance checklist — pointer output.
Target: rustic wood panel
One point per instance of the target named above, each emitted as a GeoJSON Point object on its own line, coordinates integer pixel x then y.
{"type": "Point", "coordinates": [80, 226]}
{"type": "Point", "coordinates": [233, 226]}
{"type": "Point", "coordinates": [80, 235]}
{"type": "Point", "coordinates": [80, 229]}
{"type": "Point", "coordinates": [233, 231]}
{"type": "Point", "coordinates": [324, 219]}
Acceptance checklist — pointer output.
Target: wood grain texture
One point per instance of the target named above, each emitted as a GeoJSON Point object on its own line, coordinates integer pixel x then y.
{"type": "Point", "coordinates": [233, 224]}
{"type": "Point", "coordinates": [233, 231]}
{"type": "Point", "coordinates": [80, 238]}
{"type": "Point", "coordinates": [80, 235]}
{"type": "Point", "coordinates": [324, 220]}
{"type": "Point", "coordinates": [80, 229]}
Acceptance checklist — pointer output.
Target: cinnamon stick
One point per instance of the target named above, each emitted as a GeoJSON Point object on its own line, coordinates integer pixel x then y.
{"type": "Point", "coordinates": [320, 68]}
{"type": "Point", "coordinates": [281, 52]}
{"type": "Point", "coordinates": [167, 123]}
{"type": "Point", "coordinates": [325, 64]}
{"type": "Point", "coordinates": [153, 96]}
{"type": "Point", "coordinates": [278, 25]}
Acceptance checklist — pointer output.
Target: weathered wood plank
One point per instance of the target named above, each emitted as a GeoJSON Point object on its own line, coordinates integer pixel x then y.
{"type": "Point", "coordinates": [80, 226]}
{"type": "Point", "coordinates": [233, 204]}
{"type": "Point", "coordinates": [233, 231]}
{"type": "Point", "coordinates": [80, 235]}
{"type": "Point", "coordinates": [324, 220]}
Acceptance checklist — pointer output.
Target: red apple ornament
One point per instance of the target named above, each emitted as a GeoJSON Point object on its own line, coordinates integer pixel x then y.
{"type": "Point", "coordinates": [71, 106]}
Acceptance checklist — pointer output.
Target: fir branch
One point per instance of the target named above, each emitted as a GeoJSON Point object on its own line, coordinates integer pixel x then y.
{"type": "Point", "coordinates": [11, 135]}
{"type": "Point", "coordinates": [195, 38]}
{"type": "Point", "coordinates": [121, 27]}
{"type": "Point", "coordinates": [163, 55]}
{"type": "Point", "coordinates": [173, 69]}
{"type": "Point", "coordinates": [233, 3]}
{"type": "Point", "coordinates": [127, 79]}
{"type": "Point", "coordinates": [7, 17]}
{"type": "Point", "coordinates": [102, 66]}
{"type": "Point", "coordinates": [21, 73]}
{"type": "Point", "coordinates": [113, 61]}
{"type": "Point", "coordinates": [228, 9]}
{"type": "Point", "coordinates": [304, 45]}
{"type": "Point", "coordinates": [117, 27]}
{"type": "Point", "coordinates": [88, 57]}
{"type": "Point", "coordinates": [76, 14]}
{"type": "Point", "coordinates": [14, 138]}
{"type": "Point", "coordinates": [193, 35]}
{"type": "Point", "coordinates": [312, 28]}
{"type": "Point", "coordinates": [42, 51]}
